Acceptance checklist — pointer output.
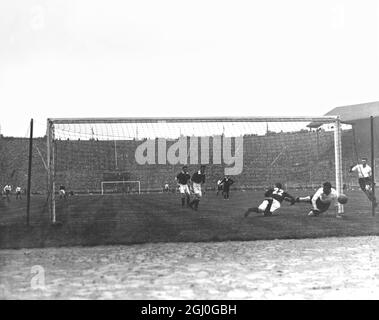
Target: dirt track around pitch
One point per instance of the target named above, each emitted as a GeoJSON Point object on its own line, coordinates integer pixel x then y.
{"type": "Point", "coordinates": [329, 268]}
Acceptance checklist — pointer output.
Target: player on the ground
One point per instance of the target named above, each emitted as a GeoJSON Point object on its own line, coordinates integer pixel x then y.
{"type": "Point", "coordinates": [62, 192]}
{"type": "Point", "coordinates": [272, 201]}
{"type": "Point", "coordinates": [183, 179]}
{"type": "Point", "coordinates": [7, 191]}
{"type": "Point", "coordinates": [198, 179]}
{"type": "Point", "coordinates": [321, 200]}
{"type": "Point", "coordinates": [219, 186]}
{"type": "Point", "coordinates": [226, 183]}
{"type": "Point", "coordinates": [365, 179]}
{"type": "Point", "coordinates": [18, 193]}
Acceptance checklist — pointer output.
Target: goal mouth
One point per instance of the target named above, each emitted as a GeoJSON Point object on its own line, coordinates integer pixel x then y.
{"type": "Point", "coordinates": [120, 187]}
{"type": "Point", "coordinates": [256, 151]}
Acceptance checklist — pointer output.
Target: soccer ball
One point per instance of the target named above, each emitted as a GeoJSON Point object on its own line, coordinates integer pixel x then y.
{"type": "Point", "coordinates": [342, 198]}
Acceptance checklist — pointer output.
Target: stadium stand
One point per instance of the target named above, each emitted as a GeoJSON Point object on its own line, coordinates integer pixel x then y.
{"type": "Point", "coordinates": [84, 164]}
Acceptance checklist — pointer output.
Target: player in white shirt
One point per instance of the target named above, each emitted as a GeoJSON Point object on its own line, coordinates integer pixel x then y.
{"type": "Point", "coordinates": [7, 191]}
{"type": "Point", "coordinates": [219, 186]}
{"type": "Point", "coordinates": [365, 179]}
{"type": "Point", "coordinates": [321, 200]}
{"type": "Point", "coordinates": [62, 192]}
{"type": "Point", "coordinates": [18, 192]}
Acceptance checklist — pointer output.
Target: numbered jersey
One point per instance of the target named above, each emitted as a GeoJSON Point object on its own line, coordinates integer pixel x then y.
{"type": "Point", "coordinates": [278, 194]}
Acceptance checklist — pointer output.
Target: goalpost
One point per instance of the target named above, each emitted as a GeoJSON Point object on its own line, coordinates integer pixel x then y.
{"type": "Point", "coordinates": [256, 151]}
{"type": "Point", "coordinates": [125, 187]}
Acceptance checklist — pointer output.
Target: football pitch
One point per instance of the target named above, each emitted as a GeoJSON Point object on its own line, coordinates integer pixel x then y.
{"type": "Point", "coordinates": [196, 257]}
{"type": "Point", "coordinates": [327, 268]}
{"type": "Point", "coordinates": [89, 220]}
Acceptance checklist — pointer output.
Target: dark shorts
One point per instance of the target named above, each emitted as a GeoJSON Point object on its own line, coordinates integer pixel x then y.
{"type": "Point", "coordinates": [7, 192]}
{"type": "Point", "coordinates": [363, 182]}
{"type": "Point", "coordinates": [220, 187]}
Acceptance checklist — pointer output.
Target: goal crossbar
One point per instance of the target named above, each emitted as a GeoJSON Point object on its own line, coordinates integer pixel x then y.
{"type": "Point", "coordinates": [322, 119]}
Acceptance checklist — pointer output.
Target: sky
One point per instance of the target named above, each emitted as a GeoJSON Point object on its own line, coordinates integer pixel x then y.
{"type": "Point", "coordinates": [82, 58]}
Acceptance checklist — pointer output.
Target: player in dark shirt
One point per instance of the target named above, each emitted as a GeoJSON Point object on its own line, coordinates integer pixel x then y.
{"type": "Point", "coordinates": [272, 201]}
{"type": "Point", "coordinates": [183, 179]}
{"type": "Point", "coordinates": [198, 179]}
{"type": "Point", "coordinates": [226, 183]}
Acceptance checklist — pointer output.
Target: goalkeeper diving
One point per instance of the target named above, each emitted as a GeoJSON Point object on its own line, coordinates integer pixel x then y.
{"type": "Point", "coordinates": [321, 200]}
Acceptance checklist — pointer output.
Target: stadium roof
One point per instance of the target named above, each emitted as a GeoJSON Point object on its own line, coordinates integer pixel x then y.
{"type": "Point", "coordinates": [352, 113]}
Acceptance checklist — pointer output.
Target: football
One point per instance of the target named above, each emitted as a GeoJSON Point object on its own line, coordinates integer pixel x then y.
{"type": "Point", "coordinates": [342, 198]}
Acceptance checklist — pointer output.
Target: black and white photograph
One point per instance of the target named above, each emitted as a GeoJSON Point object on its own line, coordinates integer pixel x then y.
{"type": "Point", "coordinates": [208, 152]}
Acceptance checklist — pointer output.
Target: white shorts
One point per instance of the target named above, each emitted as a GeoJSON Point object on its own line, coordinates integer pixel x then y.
{"type": "Point", "coordinates": [197, 189]}
{"type": "Point", "coordinates": [183, 189]}
{"type": "Point", "coordinates": [62, 192]}
{"type": "Point", "coordinates": [274, 206]}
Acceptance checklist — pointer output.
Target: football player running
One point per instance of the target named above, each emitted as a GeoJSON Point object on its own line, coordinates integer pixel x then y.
{"type": "Point", "coordinates": [183, 178]}
{"type": "Point", "coordinates": [365, 179]}
{"type": "Point", "coordinates": [198, 179]}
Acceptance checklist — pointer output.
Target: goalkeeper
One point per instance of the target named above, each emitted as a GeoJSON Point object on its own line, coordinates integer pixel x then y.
{"type": "Point", "coordinates": [321, 200]}
{"type": "Point", "coordinates": [272, 201]}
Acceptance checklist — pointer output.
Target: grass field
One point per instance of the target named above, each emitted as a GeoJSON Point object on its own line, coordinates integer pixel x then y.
{"type": "Point", "coordinates": [150, 218]}
{"type": "Point", "coordinates": [342, 267]}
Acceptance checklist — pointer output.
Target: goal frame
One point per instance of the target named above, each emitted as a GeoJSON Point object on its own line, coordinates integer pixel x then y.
{"type": "Point", "coordinates": [120, 181]}
{"type": "Point", "coordinates": [50, 135]}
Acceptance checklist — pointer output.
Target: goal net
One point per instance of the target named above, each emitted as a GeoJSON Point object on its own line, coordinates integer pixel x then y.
{"type": "Point", "coordinates": [120, 187]}
{"type": "Point", "coordinates": [95, 155]}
